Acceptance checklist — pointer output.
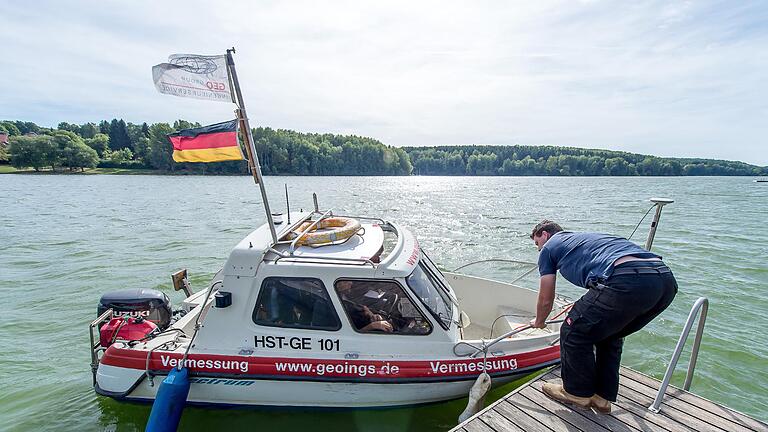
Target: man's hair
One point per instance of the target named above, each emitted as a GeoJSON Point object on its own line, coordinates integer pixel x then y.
{"type": "Point", "coordinates": [545, 225]}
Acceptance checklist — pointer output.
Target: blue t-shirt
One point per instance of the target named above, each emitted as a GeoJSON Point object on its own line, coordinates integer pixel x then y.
{"type": "Point", "coordinates": [585, 257]}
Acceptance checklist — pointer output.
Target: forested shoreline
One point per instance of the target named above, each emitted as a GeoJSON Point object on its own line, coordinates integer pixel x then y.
{"type": "Point", "coordinates": [117, 144]}
{"type": "Point", "coordinates": [518, 160]}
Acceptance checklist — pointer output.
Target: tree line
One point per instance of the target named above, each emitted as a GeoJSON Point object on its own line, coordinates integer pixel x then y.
{"type": "Point", "coordinates": [117, 144]}
{"type": "Point", "coordinates": [519, 160]}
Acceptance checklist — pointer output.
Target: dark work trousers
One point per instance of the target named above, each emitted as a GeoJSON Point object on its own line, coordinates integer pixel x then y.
{"type": "Point", "coordinates": [592, 336]}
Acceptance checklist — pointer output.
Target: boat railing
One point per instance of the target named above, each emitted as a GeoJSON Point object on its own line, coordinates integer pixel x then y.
{"type": "Point", "coordinates": [379, 220]}
{"type": "Point", "coordinates": [485, 346]}
{"type": "Point", "coordinates": [293, 243]}
{"type": "Point", "coordinates": [533, 266]}
{"type": "Point", "coordinates": [308, 229]}
{"type": "Point", "coordinates": [320, 259]}
{"type": "Point", "coordinates": [701, 305]}
{"type": "Point", "coordinates": [96, 341]}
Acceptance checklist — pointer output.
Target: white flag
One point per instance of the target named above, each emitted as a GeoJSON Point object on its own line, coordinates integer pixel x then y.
{"type": "Point", "coordinates": [194, 76]}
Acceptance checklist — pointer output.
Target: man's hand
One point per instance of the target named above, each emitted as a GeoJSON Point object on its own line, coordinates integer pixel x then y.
{"type": "Point", "coordinates": [370, 315]}
{"type": "Point", "coordinates": [535, 323]}
{"type": "Point", "coordinates": [384, 326]}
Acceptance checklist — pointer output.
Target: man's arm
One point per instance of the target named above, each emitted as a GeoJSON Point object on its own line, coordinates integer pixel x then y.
{"type": "Point", "coordinates": [546, 300]}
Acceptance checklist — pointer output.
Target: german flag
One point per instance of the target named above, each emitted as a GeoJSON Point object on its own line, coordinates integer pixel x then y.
{"type": "Point", "coordinates": [214, 143]}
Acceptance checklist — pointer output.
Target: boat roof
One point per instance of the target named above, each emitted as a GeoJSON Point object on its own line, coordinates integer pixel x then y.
{"type": "Point", "coordinates": [385, 247]}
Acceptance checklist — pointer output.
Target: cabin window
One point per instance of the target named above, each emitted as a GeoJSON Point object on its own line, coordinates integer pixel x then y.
{"type": "Point", "coordinates": [381, 307]}
{"type": "Point", "coordinates": [295, 303]}
{"type": "Point", "coordinates": [425, 285]}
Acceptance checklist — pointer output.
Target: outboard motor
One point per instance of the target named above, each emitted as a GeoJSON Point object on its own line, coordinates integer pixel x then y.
{"type": "Point", "coordinates": [149, 304]}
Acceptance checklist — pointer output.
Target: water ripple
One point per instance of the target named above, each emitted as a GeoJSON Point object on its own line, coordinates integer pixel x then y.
{"type": "Point", "coordinates": [94, 234]}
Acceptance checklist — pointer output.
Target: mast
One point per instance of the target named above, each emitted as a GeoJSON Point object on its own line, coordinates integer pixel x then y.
{"type": "Point", "coordinates": [253, 158]}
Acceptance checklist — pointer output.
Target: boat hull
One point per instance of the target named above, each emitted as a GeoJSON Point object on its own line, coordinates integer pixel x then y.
{"type": "Point", "coordinates": [209, 390]}
{"type": "Point", "coordinates": [326, 383]}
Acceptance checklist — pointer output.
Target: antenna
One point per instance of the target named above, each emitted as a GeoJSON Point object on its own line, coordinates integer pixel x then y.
{"type": "Point", "coordinates": [658, 203]}
{"type": "Point", "coordinates": [287, 204]}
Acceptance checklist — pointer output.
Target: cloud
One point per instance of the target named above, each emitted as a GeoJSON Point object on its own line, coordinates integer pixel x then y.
{"type": "Point", "coordinates": [673, 79]}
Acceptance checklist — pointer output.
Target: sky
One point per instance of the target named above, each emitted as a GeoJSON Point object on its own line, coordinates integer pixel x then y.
{"type": "Point", "coordinates": [669, 78]}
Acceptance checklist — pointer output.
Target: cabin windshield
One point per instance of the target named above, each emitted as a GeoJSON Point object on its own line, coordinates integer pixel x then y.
{"type": "Point", "coordinates": [425, 284]}
{"type": "Point", "coordinates": [438, 274]}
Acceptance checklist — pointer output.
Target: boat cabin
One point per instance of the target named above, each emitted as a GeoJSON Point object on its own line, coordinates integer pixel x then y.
{"type": "Point", "coordinates": [337, 312]}
{"type": "Point", "coordinates": [292, 299]}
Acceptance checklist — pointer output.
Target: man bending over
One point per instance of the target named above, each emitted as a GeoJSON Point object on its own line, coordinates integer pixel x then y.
{"type": "Point", "coordinates": [628, 287]}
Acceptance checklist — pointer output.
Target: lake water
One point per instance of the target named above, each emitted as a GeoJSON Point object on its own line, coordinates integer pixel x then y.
{"type": "Point", "coordinates": [65, 240]}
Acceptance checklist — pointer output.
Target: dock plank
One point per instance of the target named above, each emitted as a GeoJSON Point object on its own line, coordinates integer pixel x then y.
{"type": "Point", "coordinates": [564, 413]}
{"type": "Point", "coordinates": [498, 422]}
{"type": "Point", "coordinates": [477, 425]}
{"type": "Point", "coordinates": [675, 393]}
{"type": "Point", "coordinates": [671, 413]}
{"type": "Point", "coordinates": [632, 413]}
{"type": "Point", "coordinates": [527, 408]}
{"type": "Point", "coordinates": [607, 421]}
{"type": "Point", "coordinates": [677, 408]}
{"type": "Point", "coordinates": [520, 417]}
{"type": "Point", "coordinates": [543, 415]}
{"type": "Point", "coordinates": [688, 418]}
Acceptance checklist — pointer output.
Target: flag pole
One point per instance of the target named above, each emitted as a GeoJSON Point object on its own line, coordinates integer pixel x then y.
{"type": "Point", "coordinates": [253, 158]}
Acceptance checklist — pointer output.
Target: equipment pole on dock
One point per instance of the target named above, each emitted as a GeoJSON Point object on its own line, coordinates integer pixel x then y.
{"type": "Point", "coordinates": [253, 158]}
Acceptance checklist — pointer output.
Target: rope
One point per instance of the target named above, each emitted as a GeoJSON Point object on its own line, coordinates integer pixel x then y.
{"type": "Point", "coordinates": [565, 309]}
{"type": "Point", "coordinates": [154, 335]}
{"type": "Point", "coordinates": [149, 354]}
{"type": "Point", "coordinates": [504, 316]}
{"type": "Point", "coordinates": [641, 221]}
{"type": "Point", "coordinates": [179, 332]}
{"type": "Point", "coordinates": [197, 324]}
{"type": "Point", "coordinates": [484, 347]}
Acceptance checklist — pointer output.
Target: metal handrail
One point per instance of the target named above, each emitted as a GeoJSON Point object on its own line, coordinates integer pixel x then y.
{"type": "Point", "coordinates": [308, 229]}
{"type": "Point", "coordinates": [485, 346]}
{"type": "Point", "coordinates": [701, 304]}
{"type": "Point", "coordinates": [96, 345]}
{"type": "Point", "coordinates": [321, 259]}
{"type": "Point", "coordinates": [379, 220]}
{"type": "Point", "coordinates": [329, 213]}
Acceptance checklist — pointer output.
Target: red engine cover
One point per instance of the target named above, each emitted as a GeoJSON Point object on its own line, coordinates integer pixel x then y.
{"type": "Point", "coordinates": [126, 328]}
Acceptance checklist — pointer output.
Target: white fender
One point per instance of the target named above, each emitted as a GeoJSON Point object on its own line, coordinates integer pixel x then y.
{"type": "Point", "coordinates": [476, 396]}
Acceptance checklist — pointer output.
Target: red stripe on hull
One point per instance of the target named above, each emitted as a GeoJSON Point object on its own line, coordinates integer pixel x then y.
{"type": "Point", "coordinates": [213, 140]}
{"type": "Point", "coordinates": [328, 368]}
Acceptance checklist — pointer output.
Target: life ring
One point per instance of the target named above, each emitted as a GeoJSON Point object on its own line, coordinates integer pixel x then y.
{"type": "Point", "coordinates": [334, 229]}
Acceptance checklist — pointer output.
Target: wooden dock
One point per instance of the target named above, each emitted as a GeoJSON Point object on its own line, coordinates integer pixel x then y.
{"type": "Point", "coordinates": [528, 409]}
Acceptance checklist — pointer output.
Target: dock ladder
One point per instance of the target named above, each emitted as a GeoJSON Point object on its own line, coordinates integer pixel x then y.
{"type": "Point", "coordinates": [702, 304]}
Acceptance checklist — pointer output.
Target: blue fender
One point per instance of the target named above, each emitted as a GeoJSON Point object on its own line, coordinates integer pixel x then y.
{"type": "Point", "coordinates": [169, 402]}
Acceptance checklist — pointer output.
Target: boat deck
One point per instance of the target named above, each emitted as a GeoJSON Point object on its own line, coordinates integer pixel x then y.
{"type": "Point", "coordinates": [528, 409]}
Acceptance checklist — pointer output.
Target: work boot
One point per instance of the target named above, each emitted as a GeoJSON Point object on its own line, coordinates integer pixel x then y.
{"type": "Point", "coordinates": [600, 404]}
{"type": "Point", "coordinates": [558, 393]}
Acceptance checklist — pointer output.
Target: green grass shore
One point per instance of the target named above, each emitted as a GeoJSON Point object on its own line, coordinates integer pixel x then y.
{"type": "Point", "coordinates": [7, 169]}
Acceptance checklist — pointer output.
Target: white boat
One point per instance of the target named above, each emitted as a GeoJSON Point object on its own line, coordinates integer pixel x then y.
{"type": "Point", "coordinates": [280, 325]}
